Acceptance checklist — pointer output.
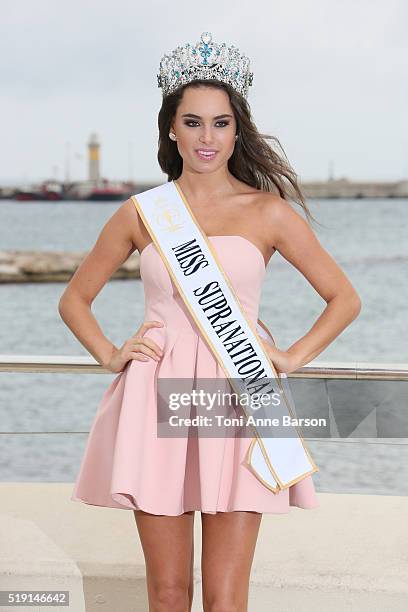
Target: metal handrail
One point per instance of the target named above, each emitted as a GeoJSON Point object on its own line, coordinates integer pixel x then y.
{"type": "Point", "coordinates": [315, 369]}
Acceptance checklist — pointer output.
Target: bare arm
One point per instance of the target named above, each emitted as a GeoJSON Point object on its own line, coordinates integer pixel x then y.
{"type": "Point", "coordinates": [297, 243]}
{"type": "Point", "coordinates": [114, 245]}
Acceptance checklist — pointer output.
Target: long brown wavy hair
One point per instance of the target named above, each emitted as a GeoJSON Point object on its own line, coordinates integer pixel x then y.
{"type": "Point", "coordinates": [254, 161]}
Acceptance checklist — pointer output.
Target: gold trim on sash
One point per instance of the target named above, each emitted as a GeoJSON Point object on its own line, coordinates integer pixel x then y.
{"type": "Point", "coordinates": [280, 485]}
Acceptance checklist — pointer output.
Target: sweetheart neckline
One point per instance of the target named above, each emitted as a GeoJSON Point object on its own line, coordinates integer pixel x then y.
{"type": "Point", "coordinates": [257, 250]}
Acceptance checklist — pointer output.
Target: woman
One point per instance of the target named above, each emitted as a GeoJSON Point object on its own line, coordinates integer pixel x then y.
{"type": "Point", "coordinates": [236, 187]}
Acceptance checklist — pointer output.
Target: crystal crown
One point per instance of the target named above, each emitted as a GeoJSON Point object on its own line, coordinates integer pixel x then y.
{"type": "Point", "coordinates": [205, 60]}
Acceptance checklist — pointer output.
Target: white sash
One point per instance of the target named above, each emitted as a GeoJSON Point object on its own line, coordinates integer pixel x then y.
{"type": "Point", "coordinates": [278, 463]}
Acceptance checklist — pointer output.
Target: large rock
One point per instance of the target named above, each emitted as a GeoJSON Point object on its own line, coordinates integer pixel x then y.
{"type": "Point", "coordinates": [53, 266]}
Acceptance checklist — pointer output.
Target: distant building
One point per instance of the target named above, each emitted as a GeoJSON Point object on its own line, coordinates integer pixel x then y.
{"type": "Point", "coordinates": [343, 188]}
{"type": "Point", "coordinates": [93, 150]}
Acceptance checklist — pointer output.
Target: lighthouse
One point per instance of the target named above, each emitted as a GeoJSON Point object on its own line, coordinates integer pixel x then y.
{"type": "Point", "coordinates": [93, 156]}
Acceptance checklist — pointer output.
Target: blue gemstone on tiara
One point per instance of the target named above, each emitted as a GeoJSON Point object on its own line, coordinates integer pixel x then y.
{"type": "Point", "coordinates": [205, 60]}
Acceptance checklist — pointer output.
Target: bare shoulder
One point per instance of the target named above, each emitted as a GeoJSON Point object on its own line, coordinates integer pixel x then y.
{"type": "Point", "coordinates": [128, 211]}
{"type": "Point", "coordinates": [273, 207]}
{"type": "Point", "coordinates": [278, 215]}
{"type": "Point", "coordinates": [130, 220]}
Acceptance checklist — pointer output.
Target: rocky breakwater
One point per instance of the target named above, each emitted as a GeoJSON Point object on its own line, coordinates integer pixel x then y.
{"type": "Point", "coordinates": [53, 266]}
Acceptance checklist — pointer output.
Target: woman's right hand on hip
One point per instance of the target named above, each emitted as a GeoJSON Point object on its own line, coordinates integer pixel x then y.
{"type": "Point", "coordinates": [138, 346]}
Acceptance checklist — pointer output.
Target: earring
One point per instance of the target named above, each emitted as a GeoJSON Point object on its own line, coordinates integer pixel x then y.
{"type": "Point", "coordinates": [172, 136]}
{"type": "Point", "coordinates": [236, 137]}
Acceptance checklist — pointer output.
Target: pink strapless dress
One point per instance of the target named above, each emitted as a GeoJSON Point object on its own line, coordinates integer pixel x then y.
{"type": "Point", "coordinates": [125, 465]}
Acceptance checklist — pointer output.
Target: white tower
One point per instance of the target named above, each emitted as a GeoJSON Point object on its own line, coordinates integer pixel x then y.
{"type": "Point", "coordinates": [93, 149]}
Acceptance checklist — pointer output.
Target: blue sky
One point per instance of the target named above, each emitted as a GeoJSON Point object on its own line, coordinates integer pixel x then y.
{"type": "Point", "coordinates": [330, 82]}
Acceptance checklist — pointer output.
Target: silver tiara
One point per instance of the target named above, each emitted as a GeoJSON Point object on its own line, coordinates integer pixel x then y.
{"type": "Point", "coordinates": [205, 60]}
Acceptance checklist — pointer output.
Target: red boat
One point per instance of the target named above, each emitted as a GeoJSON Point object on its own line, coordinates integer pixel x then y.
{"type": "Point", "coordinates": [109, 193]}
{"type": "Point", "coordinates": [46, 191]}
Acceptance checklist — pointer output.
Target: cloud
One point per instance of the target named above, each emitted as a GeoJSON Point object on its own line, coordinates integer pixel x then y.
{"type": "Point", "coordinates": [329, 80]}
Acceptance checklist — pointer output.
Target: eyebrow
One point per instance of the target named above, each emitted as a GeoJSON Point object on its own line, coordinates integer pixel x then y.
{"type": "Point", "coordinates": [198, 116]}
